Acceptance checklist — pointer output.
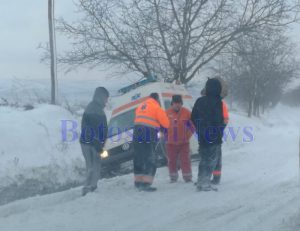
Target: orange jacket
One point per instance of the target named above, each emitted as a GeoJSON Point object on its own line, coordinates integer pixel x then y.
{"type": "Point", "coordinates": [225, 113]}
{"type": "Point", "coordinates": [149, 113]}
{"type": "Point", "coordinates": [181, 127]}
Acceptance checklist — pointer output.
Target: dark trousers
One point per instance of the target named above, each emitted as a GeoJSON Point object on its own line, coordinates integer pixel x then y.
{"type": "Point", "coordinates": [218, 169]}
{"type": "Point", "coordinates": [93, 166]}
{"type": "Point", "coordinates": [144, 162]}
{"type": "Point", "coordinates": [209, 159]}
{"type": "Point", "coordinates": [145, 158]}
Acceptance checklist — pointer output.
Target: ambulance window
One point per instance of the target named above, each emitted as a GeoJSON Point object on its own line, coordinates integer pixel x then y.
{"type": "Point", "coordinates": [167, 104]}
{"type": "Point", "coordinates": [188, 104]}
{"type": "Point", "coordinates": [121, 123]}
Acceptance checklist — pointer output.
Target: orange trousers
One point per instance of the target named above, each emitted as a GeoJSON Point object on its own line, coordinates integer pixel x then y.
{"type": "Point", "coordinates": [179, 158]}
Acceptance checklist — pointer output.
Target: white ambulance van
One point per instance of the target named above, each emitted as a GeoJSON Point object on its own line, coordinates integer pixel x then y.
{"type": "Point", "coordinates": [118, 147]}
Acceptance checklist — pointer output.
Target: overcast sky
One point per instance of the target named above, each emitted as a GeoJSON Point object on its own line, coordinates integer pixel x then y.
{"type": "Point", "coordinates": [24, 26]}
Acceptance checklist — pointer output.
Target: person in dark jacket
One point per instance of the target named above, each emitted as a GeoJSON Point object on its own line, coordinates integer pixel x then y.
{"type": "Point", "coordinates": [93, 137]}
{"type": "Point", "coordinates": [208, 118]}
{"type": "Point", "coordinates": [217, 173]}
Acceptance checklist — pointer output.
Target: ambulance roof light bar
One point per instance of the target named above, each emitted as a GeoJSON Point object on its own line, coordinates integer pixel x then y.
{"type": "Point", "coordinates": [150, 79]}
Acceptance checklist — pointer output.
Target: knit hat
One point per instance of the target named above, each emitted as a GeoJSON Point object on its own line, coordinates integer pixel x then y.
{"type": "Point", "coordinates": [177, 99]}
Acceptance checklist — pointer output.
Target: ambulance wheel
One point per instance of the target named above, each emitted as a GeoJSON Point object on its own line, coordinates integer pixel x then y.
{"type": "Point", "coordinates": [111, 170]}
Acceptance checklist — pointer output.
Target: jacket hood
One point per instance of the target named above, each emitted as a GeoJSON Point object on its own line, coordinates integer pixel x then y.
{"type": "Point", "coordinates": [213, 88]}
{"type": "Point", "coordinates": [153, 101]}
{"type": "Point", "coordinates": [100, 96]}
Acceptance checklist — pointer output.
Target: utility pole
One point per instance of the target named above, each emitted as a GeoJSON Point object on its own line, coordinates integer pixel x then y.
{"type": "Point", "coordinates": [52, 43]}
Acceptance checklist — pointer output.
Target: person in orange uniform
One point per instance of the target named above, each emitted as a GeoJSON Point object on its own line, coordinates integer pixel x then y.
{"type": "Point", "coordinates": [149, 119]}
{"type": "Point", "coordinates": [177, 142]}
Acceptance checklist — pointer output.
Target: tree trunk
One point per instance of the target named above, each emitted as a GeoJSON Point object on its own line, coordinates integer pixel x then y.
{"type": "Point", "coordinates": [258, 108]}
{"type": "Point", "coordinates": [254, 108]}
{"type": "Point", "coordinates": [250, 108]}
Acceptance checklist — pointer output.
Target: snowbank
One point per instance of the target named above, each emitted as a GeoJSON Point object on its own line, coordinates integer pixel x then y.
{"type": "Point", "coordinates": [31, 148]}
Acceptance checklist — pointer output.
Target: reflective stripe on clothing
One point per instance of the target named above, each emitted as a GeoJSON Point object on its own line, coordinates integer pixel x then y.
{"type": "Point", "coordinates": [146, 121]}
{"type": "Point", "coordinates": [150, 113]}
{"type": "Point", "coordinates": [143, 179]}
{"type": "Point", "coordinates": [138, 178]}
{"type": "Point", "coordinates": [148, 179]}
{"type": "Point", "coordinates": [217, 173]}
{"type": "Point", "coordinates": [146, 117]}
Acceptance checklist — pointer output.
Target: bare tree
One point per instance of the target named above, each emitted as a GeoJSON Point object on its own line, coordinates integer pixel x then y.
{"type": "Point", "coordinates": [174, 39]}
{"type": "Point", "coordinates": [292, 97]}
{"type": "Point", "coordinates": [259, 68]}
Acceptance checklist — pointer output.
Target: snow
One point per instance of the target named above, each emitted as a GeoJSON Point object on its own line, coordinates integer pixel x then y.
{"type": "Point", "coordinates": [259, 189]}
{"type": "Point", "coordinates": [32, 140]}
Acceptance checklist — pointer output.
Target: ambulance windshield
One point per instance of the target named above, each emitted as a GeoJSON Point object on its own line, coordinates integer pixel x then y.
{"type": "Point", "coordinates": [121, 123]}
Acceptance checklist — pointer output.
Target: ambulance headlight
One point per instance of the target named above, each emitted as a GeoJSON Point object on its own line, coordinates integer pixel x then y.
{"type": "Point", "coordinates": [160, 135]}
{"type": "Point", "coordinates": [104, 154]}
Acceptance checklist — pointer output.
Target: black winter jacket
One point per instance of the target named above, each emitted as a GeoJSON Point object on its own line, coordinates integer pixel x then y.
{"type": "Point", "coordinates": [207, 115]}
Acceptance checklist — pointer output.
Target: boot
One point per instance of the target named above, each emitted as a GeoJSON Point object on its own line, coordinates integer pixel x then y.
{"type": "Point", "coordinates": [216, 180]}
{"type": "Point", "coordinates": [148, 188]}
{"type": "Point", "coordinates": [88, 189]}
{"type": "Point", "coordinates": [206, 188]}
{"type": "Point", "coordinates": [187, 180]}
{"type": "Point", "coordinates": [138, 185]}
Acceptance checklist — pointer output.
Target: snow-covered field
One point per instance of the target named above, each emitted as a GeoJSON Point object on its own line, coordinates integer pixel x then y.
{"type": "Point", "coordinates": [34, 158]}
{"type": "Point", "coordinates": [259, 190]}
{"type": "Point", "coordinates": [32, 139]}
